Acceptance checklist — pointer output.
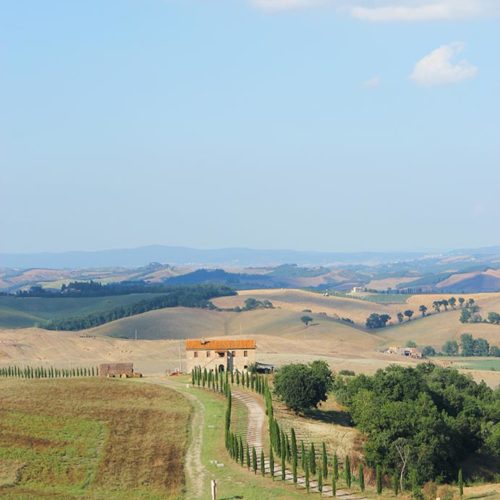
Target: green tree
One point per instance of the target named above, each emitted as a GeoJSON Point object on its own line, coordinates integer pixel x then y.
{"type": "Point", "coordinates": [306, 475]}
{"type": "Point", "coordinates": [254, 460]}
{"type": "Point", "coordinates": [395, 484]}
{"type": "Point", "coordinates": [320, 481]}
{"type": "Point", "coordinates": [400, 317]}
{"type": "Point", "coordinates": [324, 461]}
{"type": "Point", "coordinates": [271, 462]}
{"type": "Point", "coordinates": [411, 343]}
{"type": "Point", "coordinates": [335, 466]}
{"type": "Point", "coordinates": [423, 310]}
{"type": "Point", "coordinates": [361, 477]}
{"type": "Point", "coordinates": [467, 344]}
{"type": "Point", "coordinates": [312, 459]}
{"type": "Point", "coordinates": [461, 301]}
{"type": "Point", "coordinates": [409, 314]}
{"type": "Point", "coordinates": [453, 302]}
{"type": "Point", "coordinates": [306, 320]}
{"type": "Point", "coordinates": [450, 348]}
{"type": "Point", "coordinates": [428, 351]}
{"type": "Point", "coordinates": [300, 386]}
{"type": "Point", "coordinates": [465, 316]}
{"type": "Point", "coordinates": [334, 486]}
{"type": "Point", "coordinates": [347, 472]}
{"type": "Point", "coordinates": [262, 463]}
{"type": "Point", "coordinates": [377, 320]}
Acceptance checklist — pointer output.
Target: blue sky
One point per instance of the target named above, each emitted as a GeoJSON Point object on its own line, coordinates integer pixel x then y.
{"type": "Point", "coordinates": [327, 125]}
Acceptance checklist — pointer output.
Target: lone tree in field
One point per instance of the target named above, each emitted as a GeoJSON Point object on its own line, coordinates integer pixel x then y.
{"type": "Point", "coordinates": [306, 320]}
{"type": "Point", "coordinates": [409, 314]}
{"type": "Point", "coordinates": [302, 386]}
{"type": "Point", "coordinates": [423, 310]}
{"type": "Point", "coordinates": [400, 317]}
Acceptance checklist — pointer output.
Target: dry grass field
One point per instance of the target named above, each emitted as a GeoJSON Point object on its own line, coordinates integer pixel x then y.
{"type": "Point", "coordinates": [92, 438]}
{"type": "Point", "coordinates": [280, 334]}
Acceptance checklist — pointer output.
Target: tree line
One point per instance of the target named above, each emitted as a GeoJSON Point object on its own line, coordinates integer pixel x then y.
{"type": "Point", "coordinates": [186, 296]}
{"type": "Point", "coordinates": [422, 422]}
{"type": "Point", "coordinates": [47, 372]}
{"type": "Point", "coordinates": [376, 320]}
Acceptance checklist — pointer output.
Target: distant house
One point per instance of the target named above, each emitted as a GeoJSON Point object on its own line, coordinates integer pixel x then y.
{"type": "Point", "coordinates": [358, 289]}
{"type": "Point", "coordinates": [220, 355]}
{"type": "Point", "coordinates": [407, 352]}
{"type": "Point", "coordinates": [116, 370]}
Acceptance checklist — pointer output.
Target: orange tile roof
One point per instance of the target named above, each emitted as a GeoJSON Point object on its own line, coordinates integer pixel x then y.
{"type": "Point", "coordinates": [219, 344]}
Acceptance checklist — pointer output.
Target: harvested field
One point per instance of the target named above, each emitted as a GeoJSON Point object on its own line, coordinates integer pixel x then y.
{"type": "Point", "coordinates": [94, 438]}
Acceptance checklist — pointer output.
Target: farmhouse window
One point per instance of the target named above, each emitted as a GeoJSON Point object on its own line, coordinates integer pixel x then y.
{"type": "Point", "coordinates": [221, 354]}
{"type": "Point", "coordinates": [208, 354]}
{"type": "Point", "coordinates": [245, 354]}
{"type": "Point", "coordinates": [233, 354]}
{"type": "Point", "coordinates": [195, 354]}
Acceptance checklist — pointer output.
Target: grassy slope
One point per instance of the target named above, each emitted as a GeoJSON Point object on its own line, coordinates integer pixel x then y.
{"type": "Point", "coordinates": [23, 312]}
{"type": "Point", "coordinates": [97, 438]}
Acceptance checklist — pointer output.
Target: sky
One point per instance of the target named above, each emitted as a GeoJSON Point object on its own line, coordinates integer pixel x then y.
{"type": "Point", "coordinates": [338, 125]}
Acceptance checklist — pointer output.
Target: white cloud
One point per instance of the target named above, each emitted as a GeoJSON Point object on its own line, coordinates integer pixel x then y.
{"type": "Point", "coordinates": [394, 10]}
{"type": "Point", "coordinates": [438, 67]}
{"type": "Point", "coordinates": [372, 82]}
{"type": "Point", "coordinates": [423, 10]}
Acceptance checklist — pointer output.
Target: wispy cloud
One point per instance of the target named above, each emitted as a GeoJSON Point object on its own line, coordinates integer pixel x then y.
{"type": "Point", "coordinates": [394, 10]}
{"type": "Point", "coordinates": [439, 68]}
{"type": "Point", "coordinates": [372, 83]}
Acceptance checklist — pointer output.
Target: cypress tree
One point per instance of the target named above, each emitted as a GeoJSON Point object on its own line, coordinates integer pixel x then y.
{"type": "Point", "coordinates": [347, 471]}
{"type": "Point", "coordinates": [361, 478]}
{"type": "Point", "coordinates": [395, 485]}
{"type": "Point", "coordinates": [303, 459]}
{"type": "Point", "coordinates": [312, 459]}
{"type": "Point", "coordinates": [237, 377]}
{"type": "Point", "coordinates": [320, 481]}
{"type": "Point", "coordinates": [193, 375]}
{"type": "Point", "coordinates": [242, 453]}
{"type": "Point", "coordinates": [460, 483]}
{"type": "Point", "coordinates": [271, 462]}
{"type": "Point", "coordinates": [335, 466]}
{"type": "Point", "coordinates": [254, 460]}
{"type": "Point", "coordinates": [324, 461]}
{"type": "Point", "coordinates": [294, 469]}
{"type": "Point", "coordinates": [262, 463]}
{"type": "Point", "coordinates": [288, 451]}
{"type": "Point", "coordinates": [293, 439]}
{"type": "Point", "coordinates": [306, 475]}
{"type": "Point", "coordinates": [378, 479]}
{"type": "Point", "coordinates": [248, 457]}
{"type": "Point", "coordinates": [232, 377]}
{"type": "Point", "coordinates": [334, 486]}
{"type": "Point", "coordinates": [283, 464]}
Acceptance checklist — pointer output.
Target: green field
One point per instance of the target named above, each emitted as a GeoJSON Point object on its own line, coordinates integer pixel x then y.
{"type": "Point", "coordinates": [25, 312]}
{"type": "Point", "coordinates": [491, 364]}
{"type": "Point", "coordinates": [97, 438]}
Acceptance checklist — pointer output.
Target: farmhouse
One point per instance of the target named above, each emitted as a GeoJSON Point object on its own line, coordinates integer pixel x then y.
{"type": "Point", "coordinates": [220, 354]}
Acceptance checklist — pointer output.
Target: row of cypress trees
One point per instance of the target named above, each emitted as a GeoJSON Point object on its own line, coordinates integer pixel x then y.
{"type": "Point", "coordinates": [29, 372]}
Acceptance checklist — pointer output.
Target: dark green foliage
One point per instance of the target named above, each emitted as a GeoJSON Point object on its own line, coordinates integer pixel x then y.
{"type": "Point", "coordinates": [395, 485]}
{"type": "Point", "coordinates": [303, 456]}
{"type": "Point", "coordinates": [347, 472]}
{"type": "Point", "coordinates": [361, 478]}
{"type": "Point", "coordinates": [43, 372]}
{"type": "Point", "coordinates": [283, 464]}
{"type": "Point", "coordinates": [303, 386]}
{"type": "Point", "coordinates": [306, 475]}
{"type": "Point", "coordinates": [428, 351]}
{"type": "Point", "coordinates": [324, 461]}
{"type": "Point", "coordinates": [378, 480]}
{"type": "Point", "coordinates": [335, 466]}
{"type": "Point", "coordinates": [248, 457]}
{"type": "Point", "coordinates": [186, 296]}
{"type": "Point", "coordinates": [334, 486]}
{"type": "Point", "coordinates": [254, 460]}
{"type": "Point", "coordinates": [262, 463]}
{"type": "Point", "coordinates": [377, 320]}
{"type": "Point", "coordinates": [312, 459]}
{"type": "Point", "coordinates": [271, 462]}
{"type": "Point", "coordinates": [450, 348]}
{"type": "Point", "coordinates": [320, 481]}
{"type": "Point", "coordinates": [438, 416]}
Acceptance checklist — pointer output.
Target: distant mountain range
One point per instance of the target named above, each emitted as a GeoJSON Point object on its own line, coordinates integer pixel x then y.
{"type": "Point", "coordinates": [457, 271]}
{"type": "Point", "coordinates": [239, 257]}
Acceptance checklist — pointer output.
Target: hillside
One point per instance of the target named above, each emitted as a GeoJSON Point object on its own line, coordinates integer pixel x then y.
{"type": "Point", "coordinates": [25, 312]}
